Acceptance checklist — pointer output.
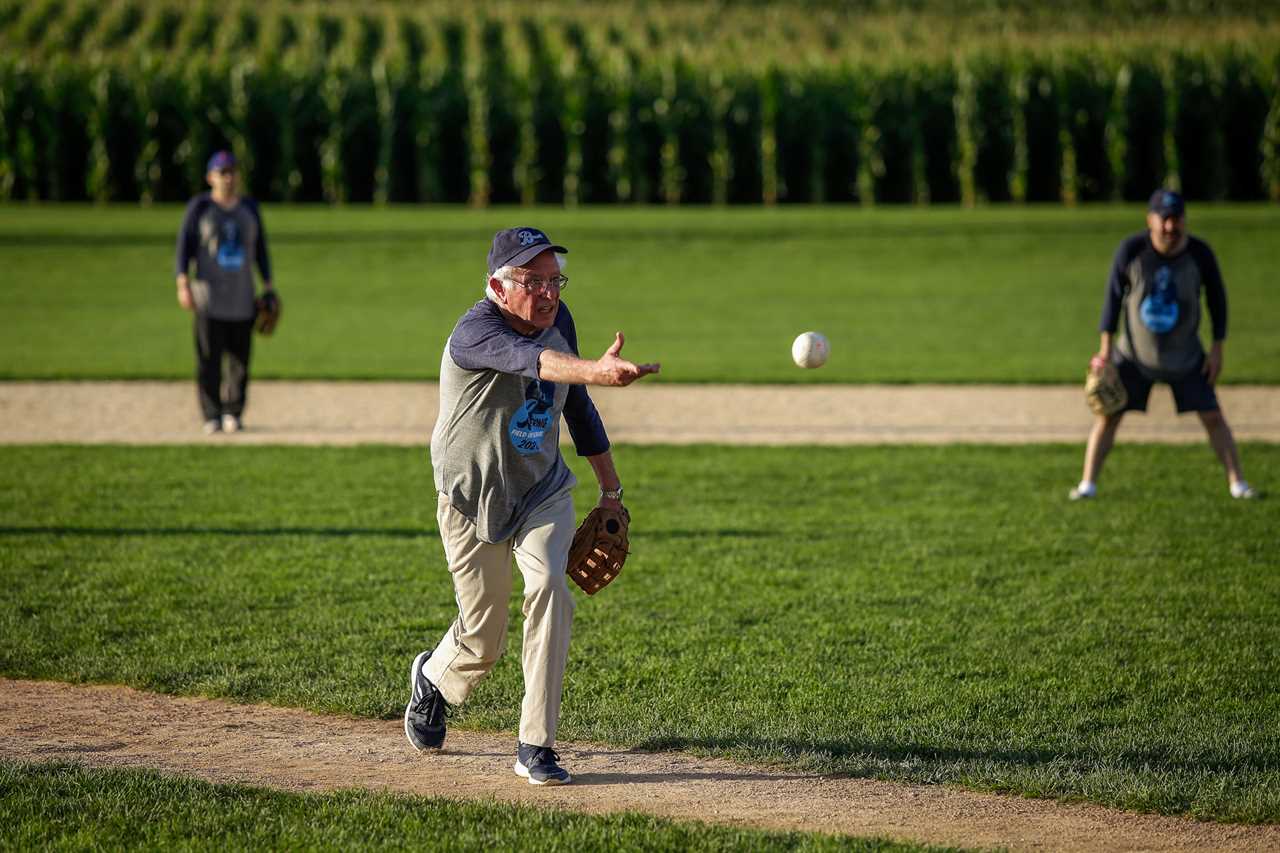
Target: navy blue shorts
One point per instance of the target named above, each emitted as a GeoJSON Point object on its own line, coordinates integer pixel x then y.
{"type": "Point", "coordinates": [1191, 393]}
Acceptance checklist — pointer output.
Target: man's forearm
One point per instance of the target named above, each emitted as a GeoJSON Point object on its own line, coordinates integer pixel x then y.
{"type": "Point", "coordinates": [556, 366]}
{"type": "Point", "coordinates": [1104, 345]}
{"type": "Point", "coordinates": [606, 474]}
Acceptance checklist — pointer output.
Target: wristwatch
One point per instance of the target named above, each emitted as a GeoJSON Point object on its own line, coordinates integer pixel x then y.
{"type": "Point", "coordinates": [612, 494]}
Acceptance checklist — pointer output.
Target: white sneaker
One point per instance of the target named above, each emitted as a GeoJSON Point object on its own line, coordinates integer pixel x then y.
{"type": "Point", "coordinates": [1244, 492]}
{"type": "Point", "coordinates": [211, 426]}
{"type": "Point", "coordinates": [1082, 492]}
{"type": "Point", "coordinates": [230, 423]}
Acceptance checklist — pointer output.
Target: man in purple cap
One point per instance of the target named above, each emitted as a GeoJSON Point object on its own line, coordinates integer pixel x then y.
{"type": "Point", "coordinates": [1156, 283]}
{"type": "Point", "coordinates": [510, 369]}
{"type": "Point", "coordinates": [222, 232]}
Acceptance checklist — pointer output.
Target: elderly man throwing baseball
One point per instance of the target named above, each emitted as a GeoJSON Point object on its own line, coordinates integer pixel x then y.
{"type": "Point", "coordinates": [509, 371]}
{"type": "Point", "coordinates": [1156, 283]}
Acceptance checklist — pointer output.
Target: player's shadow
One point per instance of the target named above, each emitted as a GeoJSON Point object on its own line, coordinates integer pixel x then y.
{"type": "Point", "coordinates": [676, 773]}
{"type": "Point", "coordinates": [865, 759]}
{"type": "Point", "coordinates": [622, 777]}
{"type": "Point", "coordinates": [128, 532]}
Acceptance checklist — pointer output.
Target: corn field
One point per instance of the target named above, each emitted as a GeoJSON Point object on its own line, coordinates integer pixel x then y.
{"type": "Point", "coordinates": [750, 103]}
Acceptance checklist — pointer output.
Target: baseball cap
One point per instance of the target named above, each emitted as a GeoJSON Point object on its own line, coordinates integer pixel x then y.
{"type": "Point", "coordinates": [221, 160]}
{"type": "Point", "coordinates": [516, 246]}
{"type": "Point", "coordinates": [1166, 203]}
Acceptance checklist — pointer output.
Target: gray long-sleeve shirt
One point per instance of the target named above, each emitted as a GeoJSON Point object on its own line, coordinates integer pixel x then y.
{"type": "Point", "coordinates": [495, 450]}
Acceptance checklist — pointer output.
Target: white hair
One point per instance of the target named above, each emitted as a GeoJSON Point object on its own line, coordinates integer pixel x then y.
{"type": "Point", "coordinates": [503, 274]}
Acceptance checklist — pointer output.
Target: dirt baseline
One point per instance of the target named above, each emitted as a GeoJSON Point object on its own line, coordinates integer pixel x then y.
{"type": "Point", "coordinates": [103, 726]}
{"type": "Point", "coordinates": [343, 413]}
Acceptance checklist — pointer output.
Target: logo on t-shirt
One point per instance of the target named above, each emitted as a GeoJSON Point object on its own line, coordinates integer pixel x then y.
{"type": "Point", "coordinates": [230, 249]}
{"type": "Point", "coordinates": [531, 422]}
{"type": "Point", "coordinates": [1159, 311]}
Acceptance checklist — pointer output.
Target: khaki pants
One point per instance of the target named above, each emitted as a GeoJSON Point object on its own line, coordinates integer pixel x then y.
{"type": "Point", "coordinates": [482, 582]}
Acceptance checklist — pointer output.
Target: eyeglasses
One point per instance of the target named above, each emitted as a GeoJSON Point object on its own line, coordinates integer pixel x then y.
{"type": "Point", "coordinates": [538, 285]}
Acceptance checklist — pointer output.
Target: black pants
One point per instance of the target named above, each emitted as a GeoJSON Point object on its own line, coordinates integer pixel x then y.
{"type": "Point", "coordinates": [216, 339]}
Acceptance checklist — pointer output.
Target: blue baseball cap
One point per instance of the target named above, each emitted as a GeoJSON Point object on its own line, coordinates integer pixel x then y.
{"type": "Point", "coordinates": [1166, 203]}
{"type": "Point", "coordinates": [221, 160]}
{"type": "Point", "coordinates": [515, 247]}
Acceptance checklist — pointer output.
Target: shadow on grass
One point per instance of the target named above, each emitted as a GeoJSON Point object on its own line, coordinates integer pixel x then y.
{"type": "Point", "coordinates": [682, 231]}
{"type": "Point", "coordinates": [373, 532]}
{"type": "Point", "coordinates": [121, 532]}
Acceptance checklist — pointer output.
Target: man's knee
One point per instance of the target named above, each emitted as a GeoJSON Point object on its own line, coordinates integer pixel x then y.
{"type": "Point", "coordinates": [548, 592]}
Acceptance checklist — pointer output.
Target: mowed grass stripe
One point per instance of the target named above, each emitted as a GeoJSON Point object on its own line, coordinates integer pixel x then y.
{"type": "Point", "coordinates": [58, 806]}
{"type": "Point", "coordinates": [923, 614]}
{"type": "Point", "coordinates": [1002, 294]}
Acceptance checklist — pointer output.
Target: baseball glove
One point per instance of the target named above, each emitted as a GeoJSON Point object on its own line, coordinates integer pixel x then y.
{"type": "Point", "coordinates": [1104, 392]}
{"type": "Point", "coordinates": [269, 308]}
{"type": "Point", "coordinates": [599, 548]}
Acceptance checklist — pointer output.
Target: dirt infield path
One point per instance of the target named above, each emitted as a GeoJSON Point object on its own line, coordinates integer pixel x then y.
{"type": "Point", "coordinates": [403, 413]}
{"type": "Point", "coordinates": [298, 751]}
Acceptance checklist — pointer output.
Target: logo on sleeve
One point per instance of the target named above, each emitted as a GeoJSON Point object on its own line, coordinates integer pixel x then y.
{"type": "Point", "coordinates": [532, 421]}
{"type": "Point", "coordinates": [1159, 310]}
{"type": "Point", "coordinates": [230, 249]}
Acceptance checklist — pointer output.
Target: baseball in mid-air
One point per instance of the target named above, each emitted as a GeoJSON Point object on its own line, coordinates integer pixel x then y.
{"type": "Point", "coordinates": [810, 350]}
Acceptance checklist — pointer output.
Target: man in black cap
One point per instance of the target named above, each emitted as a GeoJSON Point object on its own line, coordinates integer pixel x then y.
{"type": "Point", "coordinates": [510, 369]}
{"type": "Point", "coordinates": [222, 233]}
{"type": "Point", "coordinates": [1156, 283]}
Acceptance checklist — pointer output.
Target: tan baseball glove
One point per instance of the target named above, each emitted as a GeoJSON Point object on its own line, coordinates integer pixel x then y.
{"type": "Point", "coordinates": [599, 548]}
{"type": "Point", "coordinates": [1104, 392]}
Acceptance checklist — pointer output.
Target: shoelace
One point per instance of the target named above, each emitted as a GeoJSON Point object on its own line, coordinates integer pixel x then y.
{"type": "Point", "coordinates": [432, 704]}
{"type": "Point", "coordinates": [546, 755]}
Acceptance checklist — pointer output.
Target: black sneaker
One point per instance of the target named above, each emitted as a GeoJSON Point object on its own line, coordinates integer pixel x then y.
{"type": "Point", "coordinates": [540, 765]}
{"type": "Point", "coordinates": [424, 715]}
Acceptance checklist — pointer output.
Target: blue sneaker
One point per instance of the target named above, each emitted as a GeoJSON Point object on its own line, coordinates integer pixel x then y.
{"type": "Point", "coordinates": [424, 715]}
{"type": "Point", "coordinates": [539, 764]}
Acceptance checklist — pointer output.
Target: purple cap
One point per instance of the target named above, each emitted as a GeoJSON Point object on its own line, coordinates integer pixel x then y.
{"type": "Point", "coordinates": [1166, 203]}
{"type": "Point", "coordinates": [517, 246]}
{"type": "Point", "coordinates": [221, 160]}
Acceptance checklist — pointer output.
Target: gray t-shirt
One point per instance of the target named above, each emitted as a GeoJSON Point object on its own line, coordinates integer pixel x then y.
{"type": "Point", "coordinates": [1159, 298]}
{"type": "Point", "coordinates": [224, 243]}
{"type": "Point", "coordinates": [495, 450]}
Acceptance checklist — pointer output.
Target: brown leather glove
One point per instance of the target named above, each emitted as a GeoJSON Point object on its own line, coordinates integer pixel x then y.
{"type": "Point", "coordinates": [269, 310]}
{"type": "Point", "coordinates": [599, 548]}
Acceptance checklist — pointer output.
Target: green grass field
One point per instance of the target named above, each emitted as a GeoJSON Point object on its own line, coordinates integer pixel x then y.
{"type": "Point", "coordinates": [60, 807]}
{"type": "Point", "coordinates": [925, 614]}
{"type": "Point", "coordinates": [1004, 294]}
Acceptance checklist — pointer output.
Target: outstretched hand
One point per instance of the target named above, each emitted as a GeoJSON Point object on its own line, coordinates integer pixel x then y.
{"type": "Point", "coordinates": [616, 370]}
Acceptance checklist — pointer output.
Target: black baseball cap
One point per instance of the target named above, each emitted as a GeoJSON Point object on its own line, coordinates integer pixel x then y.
{"type": "Point", "coordinates": [1166, 203]}
{"type": "Point", "coordinates": [515, 247]}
